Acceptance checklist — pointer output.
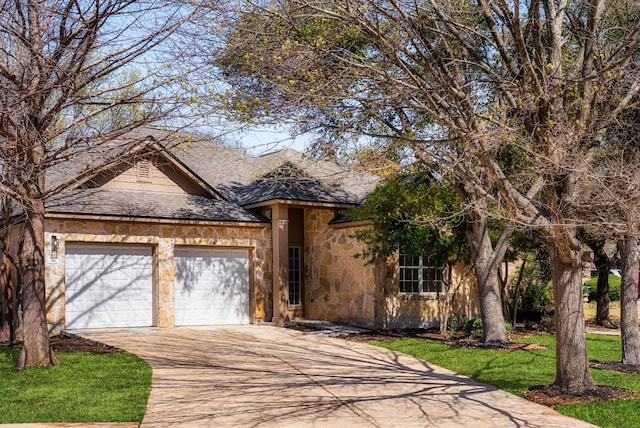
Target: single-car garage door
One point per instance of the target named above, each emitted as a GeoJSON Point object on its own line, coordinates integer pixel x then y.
{"type": "Point", "coordinates": [108, 286]}
{"type": "Point", "coordinates": [212, 286]}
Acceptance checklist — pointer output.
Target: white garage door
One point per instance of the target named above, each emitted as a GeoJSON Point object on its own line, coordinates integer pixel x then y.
{"type": "Point", "coordinates": [108, 286]}
{"type": "Point", "coordinates": [212, 286]}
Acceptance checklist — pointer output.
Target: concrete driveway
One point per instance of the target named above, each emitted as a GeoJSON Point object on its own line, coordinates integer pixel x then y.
{"type": "Point", "coordinates": [263, 376]}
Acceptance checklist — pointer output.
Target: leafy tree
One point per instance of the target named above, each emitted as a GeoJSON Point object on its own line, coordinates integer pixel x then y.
{"type": "Point", "coordinates": [416, 214]}
{"type": "Point", "coordinates": [58, 82]}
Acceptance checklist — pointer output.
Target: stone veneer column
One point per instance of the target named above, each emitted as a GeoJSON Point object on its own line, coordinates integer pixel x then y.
{"type": "Point", "coordinates": [164, 300]}
{"type": "Point", "coordinates": [280, 237]}
{"type": "Point", "coordinates": [54, 282]}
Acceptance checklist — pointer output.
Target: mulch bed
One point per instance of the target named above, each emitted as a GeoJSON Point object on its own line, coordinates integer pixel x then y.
{"type": "Point", "coordinates": [548, 395]}
{"type": "Point", "coordinates": [67, 342]}
{"type": "Point", "coordinates": [616, 366]}
{"type": "Point", "coordinates": [460, 340]}
{"type": "Point", "coordinates": [394, 334]}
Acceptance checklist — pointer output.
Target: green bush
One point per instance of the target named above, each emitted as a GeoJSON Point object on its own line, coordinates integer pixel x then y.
{"type": "Point", "coordinates": [614, 287]}
{"type": "Point", "coordinates": [473, 327]}
{"type": "Point", "coordinates": [537, 297]}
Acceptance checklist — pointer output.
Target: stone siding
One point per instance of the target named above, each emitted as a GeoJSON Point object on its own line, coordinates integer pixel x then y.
{"type": "Point", "coordinates": [342, 288]}
{"type": "Point", "coordinates": [163, 238]}
{"type": "Point", "coordinates": [338, 286]}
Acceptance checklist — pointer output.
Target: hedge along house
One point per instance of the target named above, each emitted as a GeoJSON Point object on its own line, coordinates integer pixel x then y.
{"type": "Point", "coordinates": [195, 233]}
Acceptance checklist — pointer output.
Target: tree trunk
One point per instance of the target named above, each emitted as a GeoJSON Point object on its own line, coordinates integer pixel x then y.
{"type": "Point", "coordinates": [36, 349]}
{"type": "Point", "coordinates": [628, 301]}
{"type": "Point", "coordinates": [7, 331]}
{"type": "Point", "coordinates": [490, 303]}
{"type": "Point", "coordinates": [516, 294]}
{"type": "Point", "coordinates": [572, 369]}
{"type": "Point", "coordinates": [603, 263]}
{"type": "Point", "coordinates": [487, 264]}
{"type": "Point", "coordinates": [602, 299]}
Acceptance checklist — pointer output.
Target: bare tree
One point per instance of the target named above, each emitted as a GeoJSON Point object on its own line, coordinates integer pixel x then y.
{"type": "Point", "coordinates": [615, 180]}
{"type": "Point", "coordinates": [59, 61]}
{"type": "Point", "coordinates": [463, 84]}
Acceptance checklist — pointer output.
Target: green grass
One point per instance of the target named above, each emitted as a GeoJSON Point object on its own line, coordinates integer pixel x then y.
{"type": "Point", "coordinates": [517, 371]}
{"type": "Point", "coordinates": [85, 387]}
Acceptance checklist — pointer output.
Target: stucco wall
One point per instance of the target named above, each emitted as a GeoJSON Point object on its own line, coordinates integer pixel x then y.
{"type": "Point", "coordinates": [163, 238]}
{"type": "Point", "coordinates": [425, 311]}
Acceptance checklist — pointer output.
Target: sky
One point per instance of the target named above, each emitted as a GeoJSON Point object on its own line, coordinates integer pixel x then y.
{"type": "Point", "coordinates": [263, 140]}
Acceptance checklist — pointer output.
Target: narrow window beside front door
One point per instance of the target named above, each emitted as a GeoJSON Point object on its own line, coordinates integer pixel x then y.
{"type": "Point", "coordinates": [295, 277]}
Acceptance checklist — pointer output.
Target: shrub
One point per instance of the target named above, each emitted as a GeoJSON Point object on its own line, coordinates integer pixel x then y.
{"type": "Point", "coordinates": [537, 297]}
{"type": "Point", "coordinates": [614, 287]}
{"type": "Point", "coordinates": [473, 327]}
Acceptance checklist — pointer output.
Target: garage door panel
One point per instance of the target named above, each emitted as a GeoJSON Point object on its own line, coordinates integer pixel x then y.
{"type": "Point", "coordinates": [108, 287]}
{"type": "Point", "coordinates": [212, 287]}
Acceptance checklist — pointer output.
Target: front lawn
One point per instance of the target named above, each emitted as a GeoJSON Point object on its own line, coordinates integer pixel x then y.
{"type": "Point", "coordinates": [516, 371]}
{"type": "Point", "coordinates": [85, 387]}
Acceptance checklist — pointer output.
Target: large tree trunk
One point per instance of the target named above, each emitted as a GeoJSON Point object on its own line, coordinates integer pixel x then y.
{"type": "Point", "coordinates": [572, 370]}
{"type": "Point", "coordinates": [490, 302]}
{"type": "Point", "coordinates": [487, 264]}
{"type": "Point", "coordinates": [36, 349]}
{"type": "Point", "coordinates": [628, 301]}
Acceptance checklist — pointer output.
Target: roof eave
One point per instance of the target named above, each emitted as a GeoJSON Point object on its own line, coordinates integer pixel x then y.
{"type": "Point", "coordinates": [314, 204]}
{"type": "Point", "coordinates": [97, 217]}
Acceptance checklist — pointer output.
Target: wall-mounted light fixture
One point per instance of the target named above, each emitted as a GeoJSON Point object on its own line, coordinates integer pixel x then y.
{"type": "Point", "coordinates": [54, 244]}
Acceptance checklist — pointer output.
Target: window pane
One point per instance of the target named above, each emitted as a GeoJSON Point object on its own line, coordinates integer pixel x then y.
{"type": "Point", "coordinates": [420, 275]}
{"type": "Point", "coordinates": [295, 276]}
{"type": "Point", "coordinates": [409, 275]}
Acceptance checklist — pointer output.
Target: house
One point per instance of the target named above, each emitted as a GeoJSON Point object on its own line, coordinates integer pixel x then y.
{"type": "Point", "coordinates": [170, 231]}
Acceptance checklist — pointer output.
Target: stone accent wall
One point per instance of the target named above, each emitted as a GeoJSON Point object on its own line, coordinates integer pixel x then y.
{"type": "Point", "coordinates": [338, 286]}
{"type": "Point", "coordinates": [342, 288]}
{"type": "Point", "coordinates": [163, 238]}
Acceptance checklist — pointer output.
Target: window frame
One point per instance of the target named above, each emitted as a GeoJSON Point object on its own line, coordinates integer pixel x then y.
{"type": "Point", "coordinates": [295, 274]}
{"type": "Point", "coordinates": [412, 271]}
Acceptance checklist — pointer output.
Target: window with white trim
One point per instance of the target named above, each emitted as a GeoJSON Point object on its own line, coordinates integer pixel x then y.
{"type": "Point", "coordinates": [420, 275]}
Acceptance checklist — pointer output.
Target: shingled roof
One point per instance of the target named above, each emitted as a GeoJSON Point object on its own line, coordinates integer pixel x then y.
{"type": "Point", "coordinates": [238, 181]}
{"type": "Point", "coordinates": [283, 175]}
{"type": "Point", "coordinates": [135, 204]}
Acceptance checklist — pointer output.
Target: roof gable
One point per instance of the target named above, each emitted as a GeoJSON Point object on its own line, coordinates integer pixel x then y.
{"type": "Point", "coordinates": [290, 182]}
{"type": "Point", "coordinates": [152, 174]}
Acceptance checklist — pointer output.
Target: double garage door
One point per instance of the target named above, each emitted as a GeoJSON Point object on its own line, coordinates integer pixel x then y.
{"type": "Point", "coordinates": [113, 286]}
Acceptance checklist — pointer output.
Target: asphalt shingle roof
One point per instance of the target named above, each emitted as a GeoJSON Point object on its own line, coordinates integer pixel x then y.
{"type": "Point", "coordinates": [285, 174]}
{"type": "Point", "coordinates": [241, 179]}
{"type": "Point", "coordinates": [129, 203]}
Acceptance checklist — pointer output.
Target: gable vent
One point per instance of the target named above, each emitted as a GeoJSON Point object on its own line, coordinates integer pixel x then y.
{"type": "Point", "coordinates": [143, 170]}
